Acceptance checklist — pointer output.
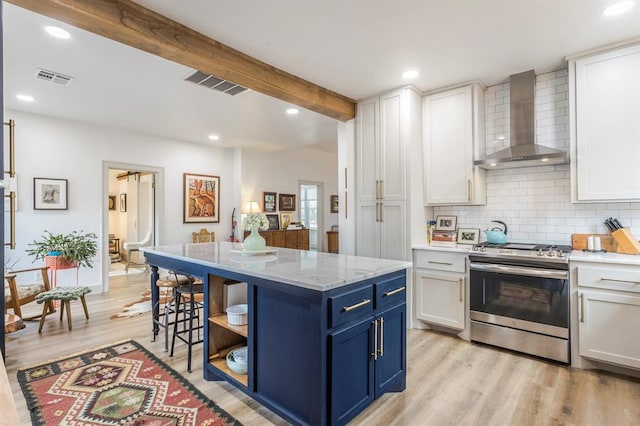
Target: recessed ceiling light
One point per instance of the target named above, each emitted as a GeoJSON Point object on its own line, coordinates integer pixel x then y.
{"type": "Point", "coordinates": [544, 159]}
{"type": "Point", "coordinates": [57, 32]}
{"type": "Point", "coordinates": [493, 164]}
{"type": "Point", "coordinates": [292, 111]}
{"type": "Point", "coordinates": [618, 8]}
{"type": "Point", "coordinates": [214, 137]}
{"type": "Point", "coordinates": [500, 138]}
{"type": "Point", "coordinates": [25, 98]}
{"type": "Point", "coordinates": [410, 74]}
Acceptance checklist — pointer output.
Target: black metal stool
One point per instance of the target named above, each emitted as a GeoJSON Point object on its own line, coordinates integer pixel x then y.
{"type": "Point", "coordinates": [166, 301]}
{"type": "Point", "coordinates": [187, 309]}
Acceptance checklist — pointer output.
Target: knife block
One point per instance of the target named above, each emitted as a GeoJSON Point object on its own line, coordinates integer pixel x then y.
{"type": "Point", "coordinates": [627, 244]}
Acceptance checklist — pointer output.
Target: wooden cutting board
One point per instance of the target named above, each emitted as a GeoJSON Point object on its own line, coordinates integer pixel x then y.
{"type": "Point", "coordinates": [579, 241]}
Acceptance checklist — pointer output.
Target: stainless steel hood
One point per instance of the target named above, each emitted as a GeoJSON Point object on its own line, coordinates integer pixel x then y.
{"type": "Point", "coordinates": [523, 152]}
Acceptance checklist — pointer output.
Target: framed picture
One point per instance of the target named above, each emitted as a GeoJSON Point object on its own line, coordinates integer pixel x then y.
{"type": "Point", "coordinates": [50, 194]}
{"type": "Point", "coordinates": [274, 222]}
{"type": "Point", "coordinates": [123, 202]}
{"type": "Point", "coordinates": [287, 202]}
{"type": "Point", "coordinates": [112, 202]}
{"type": "Point", "coordinates": [201, 202]}
{"type": "Point", "coordinates": [285, 220]}
{"type": "Point", "coordinates": [334, 203]}
{"type": "Point", "coordinates": [468, 236]}
{"type": "Point", "coordinates": [446, 223]}
{"type": "Point", "coordinates": [268, 201]}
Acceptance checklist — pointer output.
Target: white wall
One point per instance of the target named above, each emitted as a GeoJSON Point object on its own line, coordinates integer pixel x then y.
{"type": "Point", "coordinates": [280, 172]}
{"type": "Point", "coordinates": [54, 148]}
{"type": "Point", "coordinates": [536, 201]}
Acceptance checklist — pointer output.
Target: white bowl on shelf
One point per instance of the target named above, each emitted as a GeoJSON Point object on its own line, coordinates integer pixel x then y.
{"type": "Point", "coordinates": [237, 360]}
{"type": "Point", "coordinates": [237, 314]}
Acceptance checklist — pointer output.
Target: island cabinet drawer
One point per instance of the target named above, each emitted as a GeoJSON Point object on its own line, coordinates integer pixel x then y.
{"type": "Point", "coordinates": [350, 306]}
{"type": "Point", "coordinates": [390, 292]}
{"type": "Point", "coordinates": [619, 277]}
{"type": "Point", "coordinates": [440, 261]}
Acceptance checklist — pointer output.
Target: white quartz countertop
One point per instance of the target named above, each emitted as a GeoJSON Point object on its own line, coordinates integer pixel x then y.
{"type": "Point", "coordinates": [600, 257]}
{"type": "Point", "coordinates": [309, 269]}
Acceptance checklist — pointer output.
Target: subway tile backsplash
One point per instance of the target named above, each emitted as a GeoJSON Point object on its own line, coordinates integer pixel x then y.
{"type": "Point", "coordinates": [535, 202]}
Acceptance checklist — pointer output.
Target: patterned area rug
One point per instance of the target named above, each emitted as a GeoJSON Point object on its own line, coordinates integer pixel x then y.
{"type": "Point", "coordinates": [121, 384]}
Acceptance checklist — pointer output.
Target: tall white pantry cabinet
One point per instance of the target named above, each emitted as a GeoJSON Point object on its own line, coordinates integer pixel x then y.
{"type": "Point", "coordinates": [387, 126]}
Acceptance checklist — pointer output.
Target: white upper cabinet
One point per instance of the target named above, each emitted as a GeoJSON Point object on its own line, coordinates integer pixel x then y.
{"type": "Point", "coordinates": [453, 136]}
{"type": "Point", "coordinates": [605, 125]}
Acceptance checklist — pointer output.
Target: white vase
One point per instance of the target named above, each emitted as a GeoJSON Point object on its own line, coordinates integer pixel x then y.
{"type": "Point", "coordinates": [254, 241]}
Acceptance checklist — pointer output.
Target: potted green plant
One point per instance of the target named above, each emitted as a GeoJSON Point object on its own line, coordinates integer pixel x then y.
{"type": "Point", "coordinates": [75, 249]}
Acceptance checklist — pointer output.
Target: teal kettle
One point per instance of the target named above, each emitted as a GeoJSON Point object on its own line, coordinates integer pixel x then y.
{"type": "Point", "coordinates": [497, 235]}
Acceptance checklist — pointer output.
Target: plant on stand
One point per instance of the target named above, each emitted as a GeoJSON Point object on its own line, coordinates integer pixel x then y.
{"type": "Point", "coordinates": [70, 251]}
{"type": "Point", "coordinates": [252, 222]}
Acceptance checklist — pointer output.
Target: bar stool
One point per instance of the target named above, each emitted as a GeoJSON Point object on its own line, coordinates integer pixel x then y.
{"type": "Point", "coordinates": [166, 301]}
{"type": "Point", "coordinates": [189, 299]}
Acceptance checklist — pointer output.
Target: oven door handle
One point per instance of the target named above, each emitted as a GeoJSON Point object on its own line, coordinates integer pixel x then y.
{"type": "Point", "coordinates": [519, 270]}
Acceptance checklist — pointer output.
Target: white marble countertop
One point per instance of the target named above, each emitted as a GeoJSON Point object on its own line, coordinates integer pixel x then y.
{"type": "Point", "coordinates": [459, 248]}
{"type": "Point", "coordinates": [302, 268]}
{"type": "Point", "coordinates": [613, 258]}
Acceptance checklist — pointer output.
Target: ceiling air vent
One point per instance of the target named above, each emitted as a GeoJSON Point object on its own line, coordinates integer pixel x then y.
{"type": "Point", "coordinates": [215, 83]}
{"type": "Point", "coordinates": [52, 76]}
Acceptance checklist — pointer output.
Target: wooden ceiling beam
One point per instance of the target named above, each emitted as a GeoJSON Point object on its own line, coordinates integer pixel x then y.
{"type": "Point", "coordinates": [136, 26]}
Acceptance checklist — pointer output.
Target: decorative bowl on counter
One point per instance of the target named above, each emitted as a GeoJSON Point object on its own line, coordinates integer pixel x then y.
{"type": "Point", "coordinates": [237, 360]}
{"type": "Point", "coordinates": [237, 314]}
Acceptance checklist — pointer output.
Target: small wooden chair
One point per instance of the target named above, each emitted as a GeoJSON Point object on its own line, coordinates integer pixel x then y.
{"type": "Point", "coordinates": [203, 236]}
{"type": "Point", "coordinates": [16, 295]}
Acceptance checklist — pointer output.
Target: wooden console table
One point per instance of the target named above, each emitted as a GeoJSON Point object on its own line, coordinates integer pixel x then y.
{"type": "Point", "coordinates": [289, 238]}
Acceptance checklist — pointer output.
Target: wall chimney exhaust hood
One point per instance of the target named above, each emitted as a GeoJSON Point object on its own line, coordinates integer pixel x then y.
{"type": "Point", "coordinates": [523, 151]}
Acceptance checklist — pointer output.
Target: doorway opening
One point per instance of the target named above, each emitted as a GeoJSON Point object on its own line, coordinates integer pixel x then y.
{"type": "Point", "coordinates": [311, 196]}
{"type": "Point", "coordinates": [131, 221]}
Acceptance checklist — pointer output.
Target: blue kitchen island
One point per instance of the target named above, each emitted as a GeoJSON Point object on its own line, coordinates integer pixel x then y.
{"type": "Point", "coordinates": [326, 333]}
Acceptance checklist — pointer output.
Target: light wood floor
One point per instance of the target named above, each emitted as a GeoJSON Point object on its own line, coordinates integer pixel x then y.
{"type": "Point", "coordinates": [449, 381]}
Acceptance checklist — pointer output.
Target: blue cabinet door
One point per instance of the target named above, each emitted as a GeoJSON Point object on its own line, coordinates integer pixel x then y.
{"type": "Point", "coordinates": [391, 363]}
{"type": "Point", "coordinates": [352, 371]}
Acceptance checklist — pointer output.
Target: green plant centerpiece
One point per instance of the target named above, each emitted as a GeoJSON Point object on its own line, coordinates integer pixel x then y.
{"type": "Point", "coordinates": [77, 247]}
{"type": "Point", "coordinates": [253, 222]}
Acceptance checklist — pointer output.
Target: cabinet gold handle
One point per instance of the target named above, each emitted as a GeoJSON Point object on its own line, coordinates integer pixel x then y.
{"type": "Point", "coordinates": [622, 281]}
{"type": "Point", "coordinates": [439, 263]}
{"type": "Point", "coordinates": [374, 354]}
{"type": "Point", "coordinates": [381, 350]}
{"type": "Point", "coordinates": [392, 292]}
{"type": "Point", "coordinates": [582, 307]}
{"type": "Point", "coordinates": [381, 189]}
{"type": "Point", "coordinates": [461, 287]}
{"type": "Point", "coordinates": [469, 189]}
{"type": "Point", "coordinates": [381, 212]}
{"type": "Point", "coordinates": [377, 189]}
{"type": "Point", "coordinates": [356, 306]}
{"type": "Point", "coordinates": [377, 212]}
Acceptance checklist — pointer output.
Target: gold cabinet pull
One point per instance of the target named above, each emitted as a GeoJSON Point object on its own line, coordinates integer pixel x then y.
{"type": "Point", "coordinates": [356, 306]}
{"type": "Point", "coordinates": [374, 354]}
{"type": "Point", "coordinates": [381, 189]}
{"type": "Point", "coordinates": [440, 263]}
{"type": "Point", "coordinates": [392, 292]}
{"type": "Point", "coordinates": [381, 212]}
{"type": "Point", "coordinates": [582, 307]}
{"type": "Point", "coordinates": [469, 184]}
{"type": "Point", "coordinates": [377, 189]}
{"type": "Point", "coordinates": [461, 281]}
{"type": "Point", "coordinates": [619, 280]}
{"type": "Point", "coordinates": [381, 350]}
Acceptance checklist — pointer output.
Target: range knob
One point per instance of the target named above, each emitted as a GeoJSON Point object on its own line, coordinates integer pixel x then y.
{"type": "Point", "coordinates": [483, 249]}
{"type": "Point", "coordinates": [540, 252]}
{"type": "Point", "coordinates": [551, 253]}
{"type": "Point", "coordinates": [560, 254]}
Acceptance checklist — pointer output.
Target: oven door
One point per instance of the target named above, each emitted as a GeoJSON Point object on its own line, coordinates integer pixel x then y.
{"type": "Point", "coordinates": [525, 298]}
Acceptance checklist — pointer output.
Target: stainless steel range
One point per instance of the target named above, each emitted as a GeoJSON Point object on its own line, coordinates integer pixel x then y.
{"type": "Point", "coordinates": [519, 298]}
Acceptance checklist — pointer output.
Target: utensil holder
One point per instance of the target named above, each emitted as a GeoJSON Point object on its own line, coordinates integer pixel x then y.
{"type": "Point", "coordinates": [627, 244]}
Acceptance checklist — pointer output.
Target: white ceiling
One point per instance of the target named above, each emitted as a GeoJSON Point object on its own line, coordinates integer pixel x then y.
{"type": "Point", "coordinates": [356, 47]}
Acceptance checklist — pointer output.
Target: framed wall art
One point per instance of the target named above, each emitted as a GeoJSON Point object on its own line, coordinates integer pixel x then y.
{"type": "Point", "coordinates": [334, 203]}
{"type": "Point", "coordinates": [201, 202]}
{"type": "Point", "coordinates": [269, 202]}
{"type": "Point", "coordinates": [274, 222]}
{"type": "Point", "coordinates": [468, 236]}
{"type": "Point", "coordinates": [123, 203]}
{"type": "Point", "coordinates": [50, 194]}
{"type": "Point", "coordinates": [287, 202]}
{"type": "Point", "coordinates": [285, 220]}
{"type": "Point", "coordinates": [446, 223]}
{"type": "Point", "coordinates": [112, 202]}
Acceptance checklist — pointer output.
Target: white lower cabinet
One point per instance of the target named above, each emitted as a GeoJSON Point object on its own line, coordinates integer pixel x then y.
{"type": "Point", "coordinates": [440, 288]}
{"type": "Point", "coordinates": [609, 327]}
